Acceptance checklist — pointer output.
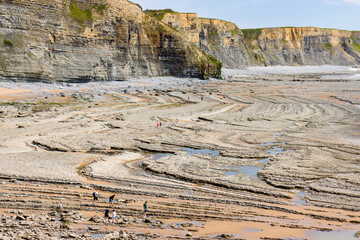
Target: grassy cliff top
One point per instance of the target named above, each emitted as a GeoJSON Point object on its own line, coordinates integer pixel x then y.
{"type": "Point", "coordinates": [254, 33]}
{"type": "Point", "coordinates": [260, 29]}
{"type": "Point", "coordinates": [160, 13]}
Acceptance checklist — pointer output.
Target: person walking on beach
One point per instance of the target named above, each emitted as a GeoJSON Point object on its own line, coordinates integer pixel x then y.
{"type": "Point", "coordinates": [157, 124]}
{"type": "Point", "coordinates": [95, 196]}
{"type": "Point", "coordinates": [176, 120]}
{"type": "Point", "coordinates": [60, 207]}
{"type": "Point", "coordinates": [111, 199]}
{"type": "Point", "coordinates": [113, 216]}
{"type": "Point", "coordinates": [145, 208]}
{"type": "Point", "coordinates": [106, 215]}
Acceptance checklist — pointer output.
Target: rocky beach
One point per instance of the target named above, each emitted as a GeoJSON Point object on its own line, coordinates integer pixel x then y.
{"type": "Point", "coordinates": [266, 153]}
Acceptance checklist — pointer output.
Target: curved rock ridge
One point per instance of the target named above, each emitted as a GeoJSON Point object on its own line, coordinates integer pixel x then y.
{"type": "Point", "coordinates": [292, 46]}
{"type": "Point", "coordinates": [101, 40]}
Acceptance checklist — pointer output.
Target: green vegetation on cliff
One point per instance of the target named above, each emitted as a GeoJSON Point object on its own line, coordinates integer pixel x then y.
{"type": "Point", "coordinates": [160, 28]}
{"type": "Point", "coordinates": [328, 47]}
{"type": "Point", "coordinates": [356, 46]}
{"type": "Point", "coordinates": [8, 43]}
{"type": "Point", "coordinates": [250, 35]}
{"type": "Point", "coordinates": [235, 31]}
{"type": "Point", "coordinates": [79, 14]}
{"type": "Point", "coordinates": [100, 8]}
{"type": "Point", "coordinates": [355, 37]}
{"type": "Point", "coordinates": [159, 14]}
{"type": "Point", "coordinates": [218, 65]}
{"type": "Point", "coordinates": [85, 13]}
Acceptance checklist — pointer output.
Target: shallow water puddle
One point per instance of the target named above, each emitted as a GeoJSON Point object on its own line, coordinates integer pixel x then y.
{"type": "Point", "coordinates": [332, 235]}
{"type": "Point", "coordinates": [252, 171]}
{"type": "Point", "coordinates": [192, 151]}
{"type": "Point", "coordinates": [98, 235]}
{"type": "Point", "coordinates": [252, 230]}
{"type": "Point", "coordinates": [299, 198]}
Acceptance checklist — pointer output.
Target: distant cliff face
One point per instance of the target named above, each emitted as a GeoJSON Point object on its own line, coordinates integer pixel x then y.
{"type": "Point", "coordinates": [302, 46]}
{"type": "Point", "coordinates": [265, 47]}
{"type": "Point", "coordinates": [80, 40]}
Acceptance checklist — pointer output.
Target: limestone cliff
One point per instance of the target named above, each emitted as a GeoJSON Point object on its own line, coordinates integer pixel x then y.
{"type": "Point", "coordinates": [92, 40]}
{"type": "Point", "coordinates": [274, 46]}
{"type": "Point", "coordinates": [221, 39]}
{"type": "Point", "coordinates": [303, 46]}
{"type": "Point", "coordinates": [81, 40]}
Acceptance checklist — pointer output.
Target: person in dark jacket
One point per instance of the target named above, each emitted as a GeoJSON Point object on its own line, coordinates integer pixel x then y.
{"type": "Point", "coordinates": [111, 199]}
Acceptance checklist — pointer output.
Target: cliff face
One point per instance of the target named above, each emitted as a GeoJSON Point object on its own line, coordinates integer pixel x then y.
{"type": "Point", "coordinates": [221, 39]}
{"type": "Point", "coordinates": [82, 40]}
{"type": "Point", "coordinates": [274, 46]}
{"type": "Point", "coordinates": [302, 46]}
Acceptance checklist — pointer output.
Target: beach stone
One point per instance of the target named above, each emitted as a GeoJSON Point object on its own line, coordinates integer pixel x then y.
{"type": "Point", "coordinates": [147, 220]}
{"type": "Point", "coordinates": [112, 236]}
{"type": "Point", "coordinates": [94, 228]}
{"type": "Point", "coordinates": [224, 236]}
{"type": "Point", "coordinates": [96, 219]}
{"type": "Point", "coordinates": [20, 217]}
{"type": "Point", "coordinates": [72, 235]}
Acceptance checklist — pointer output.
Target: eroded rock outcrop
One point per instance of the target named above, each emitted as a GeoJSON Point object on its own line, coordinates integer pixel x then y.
{"type": "Point", "coordinates": [86, 41]}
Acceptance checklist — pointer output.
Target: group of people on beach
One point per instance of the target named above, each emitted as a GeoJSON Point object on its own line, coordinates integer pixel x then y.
{"type": "Point", "coordinates": [112, 216]}
{"type": "Point", "coordinates": [107, 215]}
{"type": "Point", "coordinates": [96, 197]}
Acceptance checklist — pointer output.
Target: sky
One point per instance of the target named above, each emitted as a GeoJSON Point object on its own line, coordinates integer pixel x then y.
{"type": "Point", "coordinates": [339, 14]}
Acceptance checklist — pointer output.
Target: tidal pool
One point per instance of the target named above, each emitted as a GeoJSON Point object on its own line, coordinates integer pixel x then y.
{"type": "Point", "coordinates": [192, 151]}
{"type": "Point", "coordinates": [332, 235]}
